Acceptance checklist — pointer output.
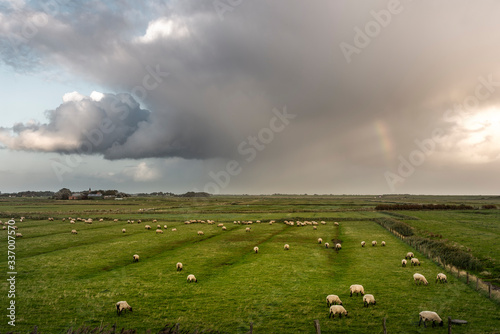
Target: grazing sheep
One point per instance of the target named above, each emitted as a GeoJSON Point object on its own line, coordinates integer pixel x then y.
{"type": "Point", "coordinates": [333, 300]}
{"type": "Point", "coordinates": [4, 227]}
{"type": "Point", "coordinates": [178, 266]}
{"type": "Point", "coordinates": [158, 226]}
{"type": "Point", "coordinates": [415, 261]}
{"type": "Point", "coordinates": [363, 244]}
{"type": "Point", "coordinates": [147, 227]}
{"type": "Point", "coordinates": [383, 243]}
{"type": "Point", "coordinates": [256, 249]}
{"type": "Point", "coordinates": [124, 230]}
{"type": "Point", "coordinates": [101, 220]}
{"type": "Point", "coordinates": [357, 289]}
{"type": "Point", "coordinates": [336, 224]}
{"type": "Point", "coordinates": [409, 255]}
{"type": "Point", "coordinates": [403, 263]}
{"type": "Point", "coordinates": [115, 220]}
{"type": "Point", "coordinates": [74, 232]}
{"type": "Point", "coordinates": [224, 228]}
{"type": "Point", "coordinates": [19, 235]}
{"type": "Point", "coordinates": [164, 226]}
{"type": "Point", "coordinates": [430, 316]}
{"type": "Point", "coordinates": [337, 309]}
{"type": "Point", "coordinates": [159, 231]}
{"type": "Point", "coordinates": [419, 278]}
{"type": "Point", "coordinates": [200, 233]}
{"type": "Point", "coordinates": [320, 240]}
{"type": "Point", "coordinates": [369, 299]}
{"type": "Point", "coordinates": [174, 229]}
{"type": "Point", "coordinates": [191, 278]}
{"type": "Point", "coordinates": [135, 258]}
{"type": "Point", "coordinates": [155, 221]}
{"type": "Point", "coordinates": [51, 219]}
{"type": "Point", "coordinates": [220, 225]}
{"type": "Point", "coordinates": [441, 278]}
{"type": "Point", "coordinates": [72, 222]}
{"type": "Point", "coordinates": [374, 243]}
{"type": "Point", "coordinates": [327, 245]}
{"type": "Point", "coordinates": [247, 229]}
{"type": "Point", "coordinates": [122, 306]}
{"type": "Point", "coordinates": [286, 247]}
{"type": "Point", "coordinates": [315, 228]}
{"type": "Point", "coordinates": [338, 247]}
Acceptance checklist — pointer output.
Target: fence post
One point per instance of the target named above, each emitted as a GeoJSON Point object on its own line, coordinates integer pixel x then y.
{"type": "Point", "coordinates": [449, 325]}
{"type": "Point", "coordinates": [489, 290]}
{"type": "Point", "coordinates": [477, 283]}
{"type": "Point", "coordinates": [467, 277]}
{"type": "Point", "coordinates": [251, 328]}
{"type": "Point", "coordinates": [383, 325]}
{"type": "Point", "coordinates": [316, 325]}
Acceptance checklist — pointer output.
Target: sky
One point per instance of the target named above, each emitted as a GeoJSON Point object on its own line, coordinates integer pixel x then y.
{"type": "Point", "coordinates": [250, 97]}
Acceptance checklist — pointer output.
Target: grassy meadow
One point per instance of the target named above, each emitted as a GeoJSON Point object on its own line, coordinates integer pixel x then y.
{"type": "Point", "coordinates": [66, 281]}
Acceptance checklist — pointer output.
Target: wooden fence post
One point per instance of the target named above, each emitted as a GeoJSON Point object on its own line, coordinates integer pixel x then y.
{"type": "Point", "coordinates": [383, 325]}
{"type": "Point", "coordinates": [251, 328]}
{"type": "Point", "coordinates": [489, 290]}
{"type": "Point", "coordinates": [477, 283]}
{"type": "Point", "coordinates": [316, 325]}
{"type": "Point", "coordinates": [467, 277]}
{"type": "Point", "coordinates": [449, 325]}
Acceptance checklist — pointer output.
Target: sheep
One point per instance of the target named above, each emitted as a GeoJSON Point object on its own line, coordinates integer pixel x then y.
{"type": "Point", "coordinates": [403, 263]}
{"type": "Point", "coordinates": [415, 261]}
{"type": "Point", "coordinates": [441, 278]}
{"type": "Point", "coordinates": [220, 225]}
{"type": "Point", "coordinates": [51, 219]}
{"type": "Point", "coordinates": [159, 231]}
{"type": "Point", "coordinates": [362, 244]}
{"type": "Point", "coordinates": [122, 306]}
{"type": "Point", "coordinates": [101, 220]}
{"type": "Point", "coordinates": [164, 226]}
{"type": "Point", "coordinates": [419, 278]}
{"type": "Point", "coordinates": [74, 232]}
{"type": "Point", "coordinates": [320, 240]}
{"type": "Point", "coordinates": [174, 229]}
{"type": "Point", "coordinates": [158, 226]}
{"type": "Point", "coordinates": [247, 229]}
{"type": "Point", "coordinates": [429, 316]}
{"type": "Point", "coordinates": [286, 247]}
{"type": "Point", "coordinates": [315, 228]}
{"type": "Point", "coordinates": [374, 243]}
{"type": "Point", "coordinates": [178, 266]}
{"type": "Point", "coordinates": [337, 309]}
{"type": "Point", "coordinates": [338, 247]}
{"type": "Point", "coordinates": [357, 289]}
{"type": "Point", "coordinates": [383, 243]}
{"type": "Point", "coordinates": [224, 228]}
{"type": "Point", "coordinates": [115, 220]}
{"type": "Point", "coordinates": [135, 258]}
{"type": "Point", "coordinates": [409, 255]}
{"type": "Point", "coordinates": [200, 233]}
{"type": "Point", "coordinates": [327, 245]}
{"type": "Point", "coordinates": [19, 235]}
{"type": "Point", "coordinates": [72, 222]}
{"type": "Point", "coordinates": [191, 278]}
{"type": "Point", "coordinates": [333, 300]}
{"type": "Point", "coordinates": [369, 299]}
{"type": "Point", "coordinates": [147, 227]}
{"type": "Point", "coordinates": [256, 249]}
{"type": "Point", "coordinates": [336, 224]}
{"type": "Point", "coordinates": [124, 230]}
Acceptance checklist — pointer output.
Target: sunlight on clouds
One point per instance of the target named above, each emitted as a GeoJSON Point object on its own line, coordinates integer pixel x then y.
{"type": "Point", "coordinates": [142, 172]}
{"type": "Point", "coordinates": [164, 28]}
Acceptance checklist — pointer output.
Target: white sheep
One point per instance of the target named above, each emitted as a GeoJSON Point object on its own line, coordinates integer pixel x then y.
{"type": "Point", "coordinates": [165, 226]}
{"type": "Point", "coordinates": [178, 266]}
{"type": "Point", "coordinates": [147, 227]}
{"type": "Point", "coordinates": [369, 299]}
{"type": "Point", "coordinates": [315, 228]}
{"type": "Point", "coordinates": [415, 261]}
{"type": "Point", "coordinates": [320, 240]}
{"type": "Point", "coordinates": [403, 263]}
{"type": "Point", "coordinates": [174, 229]}
{"type": "Point", "coordinates": [115, 220]}
{"type": "Point", "coordinates": [419, 278]}
{"type": "Point", "coordinates": [409, 255]}
{"type": "Point", "coordinates": [74, 232]}
{"type": "Point", "coordinates": [383, 243]}
{"type": "Point", "coordinates": [333, 300]}
{"type": "Point", "coordinates": [327, 245]}
{"type": "Point", "coordinates": [286, 247]}
{"type": "Point", "coordinates": [200, 233]}
{"type": "Point", "coordinates": [135, 258]}
{"type": "Point", "coordinates": [122, 306]}
{"type": "Point", "coordinates": [430, 316]}
{"type": "Point", "coordinates": [374, 243]}
{"type": "Point", "coordinates": [19, 235]}
{"type": "Point", "coordinates": [336, 224]}
{"type": "Point", "coordinates": [220, 225]}
{"type": "Point", "coordinates": [337, 309]}
{"type": "Point", "coordinates": [363, 244]}
{"type": "Point", "coordinates": [247, 229]}
{"type": "Point", "coordinates": [191, 278]}
{"type": "Point", "coordinates": [338, 247]}
{"type": "Point", "coordinates": [224, 228]}
{"type": "Point", "coordinates": [357, 289]}
{"type": "Point", "coordinates": [159, 231]}
{"type": "Point", "coordinates": [441, 278]}
{"type": "Point", "coordinates": [256, 249]}
{"type": "Point", "coordinates": [124, 230]}
{"type": "Point", "coordinates": [158, 226]}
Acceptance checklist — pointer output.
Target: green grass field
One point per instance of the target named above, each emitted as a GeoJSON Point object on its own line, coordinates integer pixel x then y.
{"type": "Point", "coordinates": [66, 280]}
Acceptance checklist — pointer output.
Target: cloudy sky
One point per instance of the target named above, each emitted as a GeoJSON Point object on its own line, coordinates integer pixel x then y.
{"type": "Point", "coordinates": [257, 97]}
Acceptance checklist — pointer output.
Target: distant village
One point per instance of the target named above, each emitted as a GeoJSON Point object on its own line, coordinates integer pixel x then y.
{"type": "Point", "coordinates": [67, 194]}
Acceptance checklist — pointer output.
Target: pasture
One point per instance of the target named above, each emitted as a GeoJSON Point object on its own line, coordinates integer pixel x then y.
{"type": "Point", "coordinates": [65, 280]}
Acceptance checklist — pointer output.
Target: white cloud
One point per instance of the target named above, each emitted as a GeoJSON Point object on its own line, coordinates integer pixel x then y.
{"type": "Point", "coordinates": [142, 172]}
{"type": "Point", "coordinates": [163, 27]}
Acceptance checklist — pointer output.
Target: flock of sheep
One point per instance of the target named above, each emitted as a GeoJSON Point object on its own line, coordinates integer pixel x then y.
{"type": "Point", "coordinates": [333, 301]}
